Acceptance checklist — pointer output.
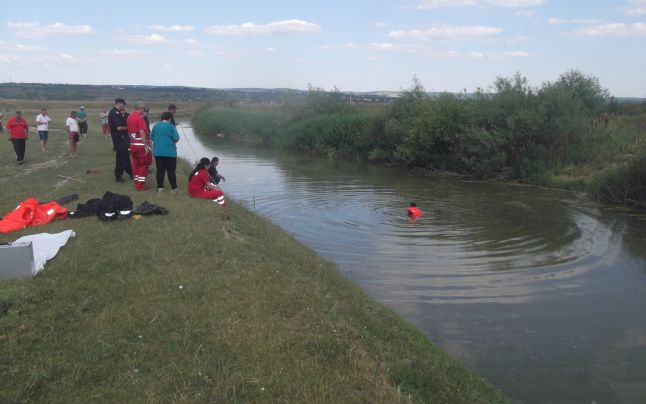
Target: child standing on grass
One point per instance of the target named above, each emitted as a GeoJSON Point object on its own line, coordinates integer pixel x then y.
{"type": "Point", "coordinates": [72, 126]}
{"type": "Point", "coordinates": [42, 124]}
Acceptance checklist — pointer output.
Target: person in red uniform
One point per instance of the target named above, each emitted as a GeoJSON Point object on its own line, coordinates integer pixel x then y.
{"type": "Point", "coordinates": [18, 130]}
{"type": "Point", "coordinates": [200, 185]}
{"type": "Point", "coordinates": [413, 212]}
{"type": "Point", "coordinates": [140, 146]}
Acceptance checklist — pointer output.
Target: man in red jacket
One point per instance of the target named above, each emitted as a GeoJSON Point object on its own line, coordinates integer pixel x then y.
{"type": "Point", "coordinates": [140, 150]}
{"type": "Point", "coordinates": [18, 130]}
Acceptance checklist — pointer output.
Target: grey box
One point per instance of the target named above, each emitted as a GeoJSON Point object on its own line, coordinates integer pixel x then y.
{"type": "Point", "coordinates": [16, 260]}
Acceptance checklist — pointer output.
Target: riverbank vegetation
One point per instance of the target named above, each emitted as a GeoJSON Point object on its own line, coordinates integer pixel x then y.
{"type": "Point", "coordinates": [564, 133]}
{"type": "Point", "coordinates": [197, 306]}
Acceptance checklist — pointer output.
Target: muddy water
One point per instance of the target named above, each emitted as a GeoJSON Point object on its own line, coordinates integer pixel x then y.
{"type": "Point", "coordinates": [542, 292]}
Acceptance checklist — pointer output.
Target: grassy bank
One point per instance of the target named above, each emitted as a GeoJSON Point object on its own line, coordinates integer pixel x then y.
{"type": "Point", "coordinates": [196, 306]}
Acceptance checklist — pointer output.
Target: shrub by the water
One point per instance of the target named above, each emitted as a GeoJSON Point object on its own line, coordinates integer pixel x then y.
{"type": "Point", "coordinates": [515, 131]}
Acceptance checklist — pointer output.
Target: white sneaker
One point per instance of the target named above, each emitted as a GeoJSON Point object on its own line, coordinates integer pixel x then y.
{"type": "Point", "coordinates": [160, 189]}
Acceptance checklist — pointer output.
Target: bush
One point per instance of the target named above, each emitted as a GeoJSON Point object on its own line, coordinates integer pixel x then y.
{"type": "Point", "coordinates": [625, 185]}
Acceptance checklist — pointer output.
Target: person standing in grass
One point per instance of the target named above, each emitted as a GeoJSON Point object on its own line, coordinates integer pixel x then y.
{"type": "Point", "coordinates": [105, 128]}
{"type": "Point", "coordinates": [200, 185]}
{"type": "Point", "coordinates": [42, 124]}
{"type": "Point", "coordinates": [117, 120]}
{"type": "Point", "coordinates": [145, 115]}
{"type": "Point", "coordinates": [140, 150]}
{"type": "Point", "coordinates": [165, 137]}
{"type": "Point", "coordinates": [18, 129]}
{"type": "Point", "coordinates": [72, 126]}
{"type": "Point", "coordinates": [1, 116]}
{"type": "Point", "coordinates": [82, 118]}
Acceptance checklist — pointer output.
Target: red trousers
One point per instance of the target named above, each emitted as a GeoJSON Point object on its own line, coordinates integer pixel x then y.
{"type": "Point", "coordinates": [215, 194]}
{"type": "Point", "coordinates": [140, 162]}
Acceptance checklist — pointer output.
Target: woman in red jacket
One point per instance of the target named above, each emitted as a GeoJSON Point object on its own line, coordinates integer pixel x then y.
{"type": "Point", "coordinates": [18, 129]}
{"type": "Point", "coordinates": [200, 185]}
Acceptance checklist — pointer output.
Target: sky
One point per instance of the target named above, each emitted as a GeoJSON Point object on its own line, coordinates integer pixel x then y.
{"type": "Point", "coordinates": [353, 45]}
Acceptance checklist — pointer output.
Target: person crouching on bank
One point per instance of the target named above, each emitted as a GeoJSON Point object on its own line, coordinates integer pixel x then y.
{"type": "Point", "coordinates": [200, 185]}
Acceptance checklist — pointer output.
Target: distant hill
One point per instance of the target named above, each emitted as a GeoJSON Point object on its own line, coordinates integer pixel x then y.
{"type": "Point", "coordinates": [80, 92]}
{"type": "Point", "coordinates": [43, 91]}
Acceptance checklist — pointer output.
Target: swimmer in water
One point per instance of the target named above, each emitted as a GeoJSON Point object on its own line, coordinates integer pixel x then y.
{"type": "Point", "coordinates": [413, 212]}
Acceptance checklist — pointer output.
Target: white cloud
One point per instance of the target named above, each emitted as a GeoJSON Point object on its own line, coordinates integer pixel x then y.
{"type": "Point", "coordinates": [288, 27]}
{"type": "Point", "coordinates": [516, 54]}
{"type": "Point", "coordinates": [172, 28]}
{"type": "Point", "coordinates": [121, 52]}
{"type": "Point", "coordinates": [195, 53]}
{"type": "Point", "coordinates": [525, 13]}
{"type": "Point", "coordinates": [637, 8]}
{"type": "Point", "coordinates": [518, 39]}
{"type": "Point", "coordinates": [429, 4]}
{"type": "Point", "coordinates": [372, 59]}
{"type": "Point", "coordinates": [584, 21]}
{"type": "Point", "coordinates": [34, 30]}
{"type": "Point", "coordinates": [612, 30]}
{"type": "Point", "coordinates": [374, 46]}
{"type": "Point", "coordinates": [578, 21]}
{"type": "Point", "coordinates": [60, 59]}
{"type": "Point", "coordinates": [27, 48]}
{"type": "Point", "coordinates": [497, 55]}
{"type": "Point", "coordinates": [20, 47]}
{"type": "Point", "coordinates": [446, 32]}
{"type": "Point", "coordinates": [151, 39]}
{"type": "Point", "coordinates": [380, 46]}
{"type": "Point", "coordinates": [271, 50]}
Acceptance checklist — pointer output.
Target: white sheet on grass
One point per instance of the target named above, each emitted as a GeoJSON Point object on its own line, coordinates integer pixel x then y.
{"type": "Point", "coordinates": [46, 246]}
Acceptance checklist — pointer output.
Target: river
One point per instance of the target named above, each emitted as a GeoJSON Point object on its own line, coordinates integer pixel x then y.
{"type": "Point", "coordinates": [542, 292]}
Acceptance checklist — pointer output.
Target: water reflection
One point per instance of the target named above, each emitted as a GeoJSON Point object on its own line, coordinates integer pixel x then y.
{"type": "Point", "coordinates": [541, 291]}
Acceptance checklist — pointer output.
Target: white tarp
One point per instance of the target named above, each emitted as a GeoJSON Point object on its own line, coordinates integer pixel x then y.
{"type": "Point", "coordinates": [46, 246]}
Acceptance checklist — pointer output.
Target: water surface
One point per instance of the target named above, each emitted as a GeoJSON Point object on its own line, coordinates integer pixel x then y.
{"type": "Point", "coordinates": [541, 291]}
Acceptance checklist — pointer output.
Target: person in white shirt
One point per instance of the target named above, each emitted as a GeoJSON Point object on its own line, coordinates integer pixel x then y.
{"type": "Point", "coordinates": [42, 124]}
{"type": "Point", "coordinates": [104, 123]}
{"type": "Point", "coordinates": [72, 132]}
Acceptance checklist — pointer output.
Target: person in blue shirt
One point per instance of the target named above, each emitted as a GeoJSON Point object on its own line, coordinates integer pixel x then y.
{"type": "Point", "coordinates": [81, 117]}
{"type": "Point", "coordinates": [164, 136]}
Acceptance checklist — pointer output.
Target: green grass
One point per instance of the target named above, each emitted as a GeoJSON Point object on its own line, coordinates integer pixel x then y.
{"type": "Point", "coordinates": [196, 306]}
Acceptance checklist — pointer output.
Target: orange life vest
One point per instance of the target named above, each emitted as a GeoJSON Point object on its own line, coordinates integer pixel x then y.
{"type": "Point", "coordinates": [30, 212]}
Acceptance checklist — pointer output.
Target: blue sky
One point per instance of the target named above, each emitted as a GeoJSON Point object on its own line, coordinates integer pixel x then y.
{"type": "Point", "coordinates": [450, 45]}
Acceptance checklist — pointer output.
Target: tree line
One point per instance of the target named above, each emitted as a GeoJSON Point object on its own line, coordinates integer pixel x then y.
{"type": "Point", "coordinates": [513, 131]}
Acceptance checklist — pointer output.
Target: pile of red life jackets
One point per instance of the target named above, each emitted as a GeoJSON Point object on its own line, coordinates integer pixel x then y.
{"type": "Point", "coordinates": [30, 212]}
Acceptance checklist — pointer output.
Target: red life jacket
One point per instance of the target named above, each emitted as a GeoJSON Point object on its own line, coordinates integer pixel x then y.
{"type": "Point", "coordinates": [414, 212]}
{"type": "Point", "coordinates": [30, 212]}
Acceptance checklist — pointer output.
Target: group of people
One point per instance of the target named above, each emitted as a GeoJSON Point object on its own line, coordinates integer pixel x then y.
{"type": "Point", "coordinates": [18, 131]}
{"type": "Point", "coordinates": [136, 145]}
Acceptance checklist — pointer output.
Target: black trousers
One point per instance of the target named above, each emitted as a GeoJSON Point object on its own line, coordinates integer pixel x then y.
{"type": "Point", "coordinates": [166, 165]}
{"type": "Point", "coordinates": [19, 148]}
{"type": "Point", "coordinates": [122, 162]}
{"type": "Point", "coordinates": [83, 127]}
